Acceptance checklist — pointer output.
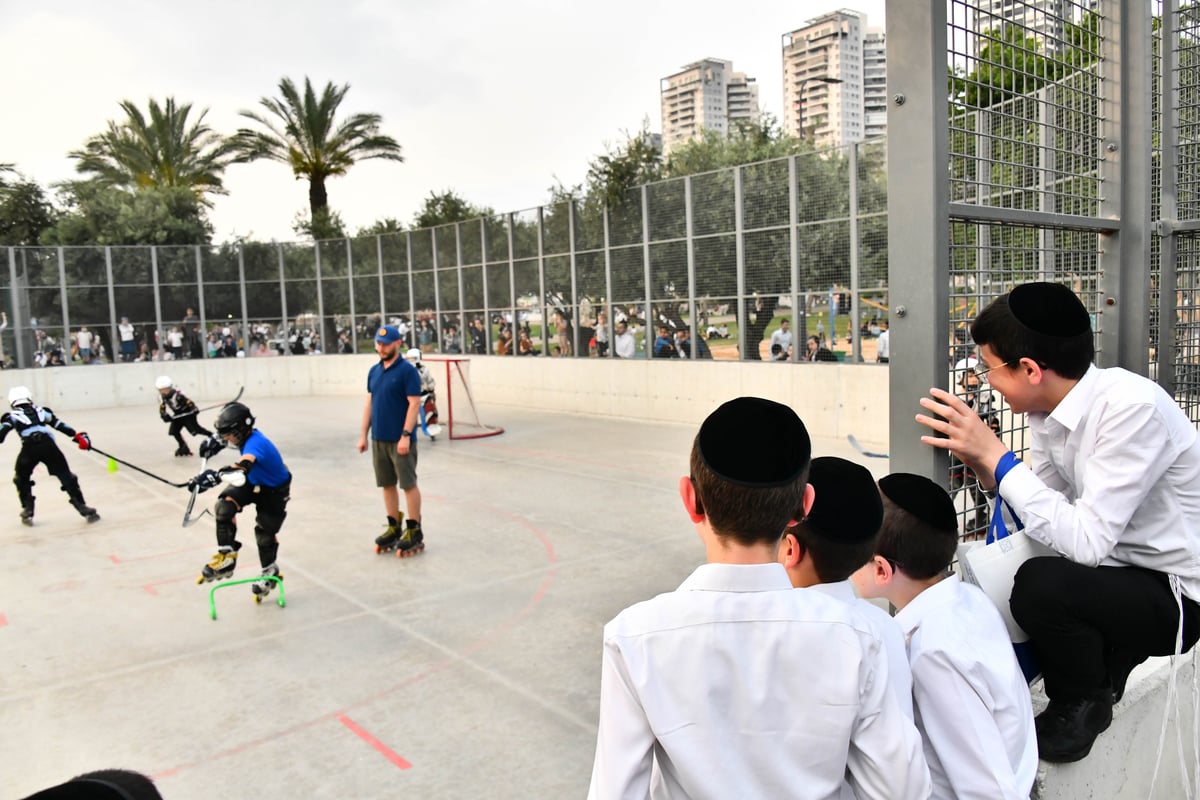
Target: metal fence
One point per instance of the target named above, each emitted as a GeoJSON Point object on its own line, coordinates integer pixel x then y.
{"type": "Point", "coordinates": [726, 255]}
{"type": "Point", "coordinates": [1068, 153]}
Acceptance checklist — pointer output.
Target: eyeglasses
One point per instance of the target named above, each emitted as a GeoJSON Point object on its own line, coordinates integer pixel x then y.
{"type": "Point", "coordinates": [982, 369]}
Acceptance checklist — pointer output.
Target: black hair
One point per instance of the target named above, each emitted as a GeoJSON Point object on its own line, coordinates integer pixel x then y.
{"type": "Point", "coordinates": [833, 560]}
{"type": "Point", "coordinates": [748, 515]}
{"type": "Point", "coordinates": [999, 329]}
{"type": "Point", "coordinates": [919, 550]}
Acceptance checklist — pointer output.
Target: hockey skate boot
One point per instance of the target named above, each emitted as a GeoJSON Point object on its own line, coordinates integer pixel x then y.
{"type": "Point", "coordinates": [412, 542]}
{"type": "Point", "coordinates": [86, 511]}
{"type": "Point", "coordinates": [263, 588]}
{"type": "Point", "coordinates": [182, 451]}
{"type": "Point", "coordinates": [389, 540]}
{"type": "Point", "coordinates": [221, 566]}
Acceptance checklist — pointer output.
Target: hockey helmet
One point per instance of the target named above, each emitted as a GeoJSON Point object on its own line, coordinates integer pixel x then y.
{"type": "Point", "coordinates": [413, 354]}
{"type": "Point", "coordinates": [19, 395]}
{"type": "Point", "coordinates": [163, 382]}
{"type": "Point", "coordinates": [235, 419]}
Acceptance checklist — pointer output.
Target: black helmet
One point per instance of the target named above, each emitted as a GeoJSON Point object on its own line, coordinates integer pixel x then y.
{"type": "Point", "coordinates": [235, 418]}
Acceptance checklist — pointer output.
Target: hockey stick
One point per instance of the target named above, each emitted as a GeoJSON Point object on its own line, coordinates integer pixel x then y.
{"type": "Point", "coordinates": [222, 405]}
{"type": "Point", "coordinates": [187, 514]}
{"type": "Point", "coordinates": [98, 451]}
{"type": "Point", "coordinates": [857, 446]}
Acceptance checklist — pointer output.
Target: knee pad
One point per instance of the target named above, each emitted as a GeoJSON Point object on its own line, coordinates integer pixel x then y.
{"type": "Point", "coordinates": [267, 525]}
{"type": "Point", "coordinates": [225, 510]}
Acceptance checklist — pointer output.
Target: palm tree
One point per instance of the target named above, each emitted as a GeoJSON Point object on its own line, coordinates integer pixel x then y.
{"type": "Point", "coordinates": [302, 132]}
{"type": "Point", "coordinates": [159, 151]}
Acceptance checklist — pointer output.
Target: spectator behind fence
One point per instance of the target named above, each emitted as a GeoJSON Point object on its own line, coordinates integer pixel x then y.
{"type": "Point", "coordinates": [735, 684]}
{"type": "Point", "coordinates": [624, 345]}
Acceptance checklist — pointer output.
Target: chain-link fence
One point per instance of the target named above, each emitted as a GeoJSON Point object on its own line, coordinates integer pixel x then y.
{"type": "Point", "coordinates": [743, 263]}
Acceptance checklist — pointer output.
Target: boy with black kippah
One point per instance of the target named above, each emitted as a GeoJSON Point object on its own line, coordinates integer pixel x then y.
{"type": "Point", "coordinates": [735, 684]}
{"type": "Point", "coordinates": [1113, 484]}
{"type": "Point", "coordinates": [971, 700]}
{"type": "Point", "coordinates": [835, 539]}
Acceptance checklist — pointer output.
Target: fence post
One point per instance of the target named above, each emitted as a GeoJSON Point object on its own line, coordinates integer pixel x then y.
{"type": "Point", "coordinates": [353, 315]}
{"type": "Point", "coordinates": [739, 249]}
{"type": "Point", "coordinates": [283, 309]}
{"type": "Point", "coordinates": [650, 333]}
{"type": "Point", "coordinates": [200, 300]}
{"type": "Point", "coordinates": [855, 266]}
{"type": "Point", "coordinates": [113, 334]}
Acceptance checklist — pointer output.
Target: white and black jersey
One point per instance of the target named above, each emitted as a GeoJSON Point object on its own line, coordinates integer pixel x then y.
{"type": "Point", "coordinates": [175, 404]}
{"type": "Point", "coordinates": [31, 421]}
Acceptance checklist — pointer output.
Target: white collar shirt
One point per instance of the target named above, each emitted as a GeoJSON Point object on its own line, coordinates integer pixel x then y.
{"type": "Point", "coordinates": [883, 345]}
{"type": "Point", "coordinates": [972, 703]}
{"type": "Point", "coordinates": [738, 685]}
{"type": "Point", "coordinates": [1114, 478]}
{"type": "Point", "coordinates": [886, 630]}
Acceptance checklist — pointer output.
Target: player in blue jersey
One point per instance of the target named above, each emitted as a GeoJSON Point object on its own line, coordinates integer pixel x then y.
{"type": "Point", "coordinates": [258, 477]}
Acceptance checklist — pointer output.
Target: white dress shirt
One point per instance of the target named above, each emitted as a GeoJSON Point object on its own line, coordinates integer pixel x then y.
{"type": "Point", "coordinates": [1115, 478]}
{"type": "Point", "coordinates": [737, 685]}
{"type": "Point", "coordinates": [971, 701]}
{"type": "Point", "coordinates": [888, 632]}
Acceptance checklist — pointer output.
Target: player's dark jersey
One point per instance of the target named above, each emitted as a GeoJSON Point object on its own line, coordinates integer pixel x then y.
{"type": "Point", "coordinates": [29, 420]}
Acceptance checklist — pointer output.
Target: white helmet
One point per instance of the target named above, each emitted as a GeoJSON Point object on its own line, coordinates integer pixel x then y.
{"type": "Point", "coordinates": [163, 382]}
{"type": "Point", "coordinates": [18, 395]}
{"type": "Point", "coordinates": [413, 355]}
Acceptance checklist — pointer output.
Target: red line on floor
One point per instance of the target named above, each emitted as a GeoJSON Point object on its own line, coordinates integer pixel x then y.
{"type": "Point", "coordinates": [3, 620]}
{"type": "Point", "coordinates": [383, 749]}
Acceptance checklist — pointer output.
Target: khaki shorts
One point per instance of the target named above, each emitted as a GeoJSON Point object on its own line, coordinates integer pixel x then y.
{"type": "Point", "coordinates": [391, 468]}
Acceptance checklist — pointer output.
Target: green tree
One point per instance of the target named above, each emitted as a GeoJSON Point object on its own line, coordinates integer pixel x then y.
{"type": "Point", "coordinates": [611, 176]}
{"type": "Point", "coordinates": [24, 212]}
{"type": "Point", "coordinates": [161, 150]}
{"type": "Point", "coordinates": [447, 207]}
{"type": "Point", "coordinates": [98, 214]}
{"type": "Point", "coordinates": [303, 132]}
{"type": "Point", "coordinates": [380, 226]}
{"type": "Point", "coordinates": [747, 143]}
{"type": "Point", "coordinates": [324, 224]}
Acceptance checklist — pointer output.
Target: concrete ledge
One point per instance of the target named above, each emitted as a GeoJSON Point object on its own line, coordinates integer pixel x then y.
{"type": "Point", "coordinates": [1121, 764]}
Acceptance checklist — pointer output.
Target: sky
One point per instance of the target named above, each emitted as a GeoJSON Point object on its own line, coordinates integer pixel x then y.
{"type": "Point", "coordinates": [497, 101]}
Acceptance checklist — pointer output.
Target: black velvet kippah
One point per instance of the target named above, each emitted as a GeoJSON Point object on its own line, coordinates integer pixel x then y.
{"type": "Point", "coordinates": [1050, 309]}
{"type": "Point", "coordinates": [922, 498]}
{"type": "Point", "coordinates": [754, 442]}
{"type": "Point", "coordinates": [847, 507]}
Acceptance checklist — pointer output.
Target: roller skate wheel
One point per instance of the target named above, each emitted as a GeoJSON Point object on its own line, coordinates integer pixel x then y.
{"type": "Point", "coordinates": [200, 580]}
{"type": "Point", "coordinates": [258, 599]}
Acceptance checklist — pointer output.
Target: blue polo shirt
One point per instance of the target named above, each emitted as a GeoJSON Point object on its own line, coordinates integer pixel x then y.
{"type": "Point", "coordinates": [390, 389]}
{"type": "Point", "coordinates": [268, 468]}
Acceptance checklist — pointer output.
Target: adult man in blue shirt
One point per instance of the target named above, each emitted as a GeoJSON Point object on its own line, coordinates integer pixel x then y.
{"type": "Point", "coordinates": [390, 416]}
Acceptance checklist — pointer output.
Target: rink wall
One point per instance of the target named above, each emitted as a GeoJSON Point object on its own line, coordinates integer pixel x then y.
{"type": "Point", "coordinates": [834, 399]}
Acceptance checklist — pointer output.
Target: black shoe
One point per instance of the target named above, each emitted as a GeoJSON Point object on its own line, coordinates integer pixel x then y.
{"type": "Point", "coordinates": [1067, 729]}
{"type": "Point", "coordinates": [1120, 664]}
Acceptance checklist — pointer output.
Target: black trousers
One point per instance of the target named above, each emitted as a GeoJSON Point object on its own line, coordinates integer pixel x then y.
{"type": "Point", "coordinates": [40, 448]}
{"type": "Point", "coordinates": [1084, 620]}
{"type": "Point", "coordinates": [190, 422]}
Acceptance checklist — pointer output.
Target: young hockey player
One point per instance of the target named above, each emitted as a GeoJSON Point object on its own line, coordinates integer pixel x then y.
{"type": "Point", "coordinates": [180, 412]}
{"type": "Point", "coordinates": [258, 477]}
{"type": "Point", "coordinates": [33, 424]}
{"type": "Point", "coordinates": [428, 388]}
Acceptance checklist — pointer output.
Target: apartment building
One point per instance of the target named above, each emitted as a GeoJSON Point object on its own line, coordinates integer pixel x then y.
{"type": "Point", "coordinates": [823, 79]}
{"type": "Point", "coordinates": [706, 94]}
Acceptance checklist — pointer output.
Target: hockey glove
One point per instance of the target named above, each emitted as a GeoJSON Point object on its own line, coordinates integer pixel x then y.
{"type": "Point", "coordinates": [205, 480]}
{"type": "Point", "coordinates": [165, 416]}
{"type": "Point", "coordinates": [83, 441]}
{"type": "Point", "coordinates": [211, 446]}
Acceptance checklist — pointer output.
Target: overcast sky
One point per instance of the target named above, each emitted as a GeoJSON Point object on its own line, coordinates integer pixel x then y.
{"type": "Point", "coordinates": [495, 100]}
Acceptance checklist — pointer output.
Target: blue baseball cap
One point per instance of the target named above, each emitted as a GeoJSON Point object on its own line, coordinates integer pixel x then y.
{"type": "Point", "coordinates": [387, 334]}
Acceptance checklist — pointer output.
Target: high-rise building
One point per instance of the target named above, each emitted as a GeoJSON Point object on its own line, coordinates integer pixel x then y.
{"type": "Point", "coordinates": [823, 79]}
{"type": "Point", "coordinates": [709, 95]}
{"type": "Point", "coordinates": [875, 96]}
{"type": "Point", "coordinates": [1045, 19]}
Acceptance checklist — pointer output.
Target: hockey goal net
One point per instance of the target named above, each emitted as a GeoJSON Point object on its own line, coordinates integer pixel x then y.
{"type": "Point", "coordinates": [455, 405]}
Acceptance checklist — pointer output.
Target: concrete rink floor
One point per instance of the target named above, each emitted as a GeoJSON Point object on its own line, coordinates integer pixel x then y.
{"type": "Point", "coordinates": [470, 670]}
